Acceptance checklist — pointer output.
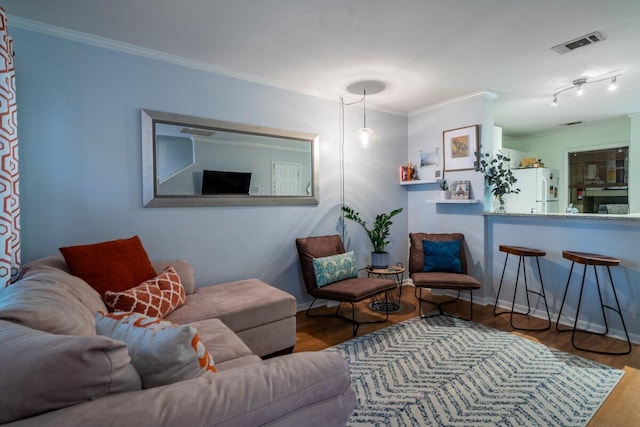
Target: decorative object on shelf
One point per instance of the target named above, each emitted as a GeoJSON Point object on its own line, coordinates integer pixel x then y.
{"type": "Point", "coordinates": [444, 190]}
{"type": "Point", "coordinates": [498, 176]}
{"type": "Point", "coordinates": [579, 83]}
{"type": "Point", "coordinates": [408, 172]}
{"type": "Point", "coordinates": [460, 148]}
{"type": "Point", "coordinates": [378, 234]}
{"type": "Point", "coordinates": [460, 190]}
{"type": "Point", "coordinates": [429, 165]}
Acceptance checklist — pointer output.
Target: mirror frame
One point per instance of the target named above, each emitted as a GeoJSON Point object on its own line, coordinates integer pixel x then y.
{"type": "Point", "coordinates": [150, 196]}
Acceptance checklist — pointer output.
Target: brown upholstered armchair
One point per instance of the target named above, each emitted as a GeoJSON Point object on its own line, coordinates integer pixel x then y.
{"type": "Point", "coordinates": [445, 265]}
{"type": "Point", "coordinates": [349, 290]}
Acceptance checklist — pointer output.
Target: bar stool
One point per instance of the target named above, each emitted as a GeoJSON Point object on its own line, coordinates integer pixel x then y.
{"type": "Point", "coordinates": [522, 252]}
{"type": "Point", "coordinates": [594, 260]}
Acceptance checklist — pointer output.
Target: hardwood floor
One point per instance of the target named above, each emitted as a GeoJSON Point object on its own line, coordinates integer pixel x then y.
{"type": "Point", "coordinates": [622, 407]}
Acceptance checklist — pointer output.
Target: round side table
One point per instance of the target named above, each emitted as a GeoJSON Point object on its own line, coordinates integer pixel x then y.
{"type": "Point", "coordinates": [390, 303]}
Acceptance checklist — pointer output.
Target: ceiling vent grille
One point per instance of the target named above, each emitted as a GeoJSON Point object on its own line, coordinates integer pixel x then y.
{"type": "Point", "coordinates": [198, 132]}
{"type": "Point", "coordinates": [590, 38]}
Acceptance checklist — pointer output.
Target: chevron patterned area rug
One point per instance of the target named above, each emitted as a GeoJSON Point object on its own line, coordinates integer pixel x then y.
{"type": "Point", "coordinates": [447, 372]}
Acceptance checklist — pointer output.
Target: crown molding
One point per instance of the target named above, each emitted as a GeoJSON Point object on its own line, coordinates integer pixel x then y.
{"type": "Point", "coordinates": [484, 94]}
{"type": "Point", "coordinates": [105, 43]}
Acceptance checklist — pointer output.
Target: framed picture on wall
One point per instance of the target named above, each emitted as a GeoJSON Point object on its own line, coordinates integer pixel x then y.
{"type": "Point", "coordinates": [459, 148]}
{"type": "Point", "coordinates": [460, 190]}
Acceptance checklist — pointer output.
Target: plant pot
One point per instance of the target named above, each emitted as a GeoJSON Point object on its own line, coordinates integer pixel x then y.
{"type": "Point", "coordinates": [380, 259]}
{"type": "Point", "coordinates": [499, 204]}
{"type": "Point", "coordinates": [444, 194]}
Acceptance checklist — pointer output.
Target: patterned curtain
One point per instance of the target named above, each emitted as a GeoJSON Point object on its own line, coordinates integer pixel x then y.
{"type": "Point", "coordinates": [9, 194]}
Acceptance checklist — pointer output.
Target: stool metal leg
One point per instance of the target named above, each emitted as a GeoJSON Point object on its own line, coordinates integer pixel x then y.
{"type": "Point", "coordinates": [522, 262]}
{"type": "Point", "coordinates": [617, 309]}
{"type": "Point", "coordinates": [495, 305]}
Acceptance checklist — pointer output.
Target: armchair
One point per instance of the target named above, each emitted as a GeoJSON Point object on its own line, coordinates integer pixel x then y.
{"type": "Point", "coordinates": [350, 290]}
{"type": "Point", "coordinates": [446, 268]}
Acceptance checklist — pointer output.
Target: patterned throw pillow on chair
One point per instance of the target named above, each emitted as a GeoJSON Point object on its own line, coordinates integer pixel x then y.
{"type": "Point", "coordinates": [334, 268]}
{"type": "Point", "coordinates": [155, 297]}
{"type": "Point", "coordinates": [161, 352]}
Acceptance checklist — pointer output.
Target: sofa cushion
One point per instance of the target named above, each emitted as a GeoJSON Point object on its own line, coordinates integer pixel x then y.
{"type": "Point", "coordinates": [184, 270]}
{"type": "Point", "coordinates": [221, 342]}
{"type": "Point", "coordinates": [161, 352]}
{"type": "Point", "coordinates": [333, 268]}
{"type": "Point", "coordinates": [243, 304]}
{"type": "Point", "coordinates": [155, 297]}
{"type": "Point", "coordinates": [41, 303]}
{"type": "Point", "coordinates": [53, 269]}
{"type": "Point", "coordinates": [42, 371]}
{"type": "Point", "coordinates": [110, 266]}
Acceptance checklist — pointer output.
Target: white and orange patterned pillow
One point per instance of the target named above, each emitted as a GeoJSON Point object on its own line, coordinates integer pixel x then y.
{"type": "Point", "coordinates": [161, 352]}
{"type": "Point", "coordinates": [155, 297]}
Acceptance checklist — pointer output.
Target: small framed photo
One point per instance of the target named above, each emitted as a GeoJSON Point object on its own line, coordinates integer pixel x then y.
{"type": "Point", "coordinates": [460, 190]}
{"type": "Point", "coordinates": [459, 148]}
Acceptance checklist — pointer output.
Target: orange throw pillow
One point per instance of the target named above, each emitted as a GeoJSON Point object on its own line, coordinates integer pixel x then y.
{"type": "Point", "coordinates": [155, 297]}
{"type": "Point", "coordinates": [110, 266]}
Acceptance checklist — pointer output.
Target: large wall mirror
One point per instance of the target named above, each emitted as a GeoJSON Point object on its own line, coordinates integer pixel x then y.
{"type": "Point", "coordinates": [192, 161]}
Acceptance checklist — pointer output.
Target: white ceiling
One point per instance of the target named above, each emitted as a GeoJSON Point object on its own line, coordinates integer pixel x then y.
{"type": "Point", "coordinates": [426, 51]}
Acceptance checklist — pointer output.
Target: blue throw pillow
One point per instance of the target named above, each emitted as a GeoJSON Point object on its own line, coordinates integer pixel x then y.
{"type": "Point", "coordinates": [334, 268]}
{"type": "Point", "coordinates": [442, 256]}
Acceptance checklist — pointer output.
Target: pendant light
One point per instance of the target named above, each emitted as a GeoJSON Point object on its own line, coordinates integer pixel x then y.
{"type": "Point", "coordinates": [365, 135]}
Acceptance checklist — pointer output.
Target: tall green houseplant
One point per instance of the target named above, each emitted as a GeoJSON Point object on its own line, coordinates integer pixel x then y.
{"type": "Point", "coordinates": [378, 234]}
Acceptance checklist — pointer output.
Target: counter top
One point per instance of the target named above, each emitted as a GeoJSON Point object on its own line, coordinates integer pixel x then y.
{"type": "Point", "coordinates": [577, 216]}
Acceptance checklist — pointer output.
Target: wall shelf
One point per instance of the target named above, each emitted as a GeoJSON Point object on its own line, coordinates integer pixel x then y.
{"type": "Point", "coordinates": [416, 182]}
{"type": "Point", "coordinates": [464, 201]}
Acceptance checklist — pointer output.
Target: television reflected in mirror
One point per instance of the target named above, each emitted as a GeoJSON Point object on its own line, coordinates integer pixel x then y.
{"type": "Point", "coordinates": [192, 161]}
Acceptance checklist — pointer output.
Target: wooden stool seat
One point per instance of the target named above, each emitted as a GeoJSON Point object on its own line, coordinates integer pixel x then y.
{"type": "Point", "coordinates": [594, 260]}
{"type": "Point", "coordinates": [590, 259]}
{"type": "Point", "coordinates": [521, 252]}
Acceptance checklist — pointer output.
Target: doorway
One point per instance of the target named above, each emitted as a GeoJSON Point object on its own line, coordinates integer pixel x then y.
{"type": "Point", "coordinates": [285, 178]}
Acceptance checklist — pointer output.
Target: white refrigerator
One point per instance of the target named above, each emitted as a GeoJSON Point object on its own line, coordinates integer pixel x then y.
{"type": "Point", "coordinates": [538, 191]}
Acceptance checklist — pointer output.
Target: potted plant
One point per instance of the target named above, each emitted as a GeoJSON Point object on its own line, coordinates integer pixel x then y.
{"type": "Point", "coordinates": [378, 234]}
{"type": "Point", "coordinates": [444, 189]}
{"type": "Point", "coordinates": [498, 176]}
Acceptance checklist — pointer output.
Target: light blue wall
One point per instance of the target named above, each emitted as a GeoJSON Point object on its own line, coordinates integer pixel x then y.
{"type": "Point", "coordinates": [425, 131]}
{"type": "Point", "coordinates": [80, 160]}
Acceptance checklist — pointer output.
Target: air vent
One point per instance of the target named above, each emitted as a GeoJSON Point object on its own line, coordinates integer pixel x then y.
{"type": "Point", "coordinates": [590, 38]}
{"type": "Point", "coordinates": [572, 123]}
{"type": "Point", "coordinates": [198, 132]}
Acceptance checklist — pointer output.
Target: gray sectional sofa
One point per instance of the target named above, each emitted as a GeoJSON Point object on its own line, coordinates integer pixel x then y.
{"type": "Point", "coordinates": [55, 370]}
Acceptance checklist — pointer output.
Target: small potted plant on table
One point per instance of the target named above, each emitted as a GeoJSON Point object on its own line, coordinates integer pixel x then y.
{"type": "Point", "coordinates": [378, 234]}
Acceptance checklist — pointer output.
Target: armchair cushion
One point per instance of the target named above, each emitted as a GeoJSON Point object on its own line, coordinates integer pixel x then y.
{"type": "Point", "coordinates": [442, 256]}
{"type": "Point", "coordinates": [331, 269]}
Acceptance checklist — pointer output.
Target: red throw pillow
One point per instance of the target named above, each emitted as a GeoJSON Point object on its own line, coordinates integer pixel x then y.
{"type": "Point", "coordinates": [110, 266]}
{"type": "Point", "coordinates": [155, 297]}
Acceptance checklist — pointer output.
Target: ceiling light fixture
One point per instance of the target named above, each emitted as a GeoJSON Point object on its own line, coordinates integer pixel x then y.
{"type": "Point", "coordinates": [365, 135]}
{"type": "Point", "coordinates": [579, 84]}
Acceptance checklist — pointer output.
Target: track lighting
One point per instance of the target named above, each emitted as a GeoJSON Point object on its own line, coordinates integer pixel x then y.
{"type": "Point", "coordinates": [579, 84]}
